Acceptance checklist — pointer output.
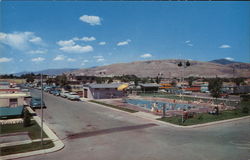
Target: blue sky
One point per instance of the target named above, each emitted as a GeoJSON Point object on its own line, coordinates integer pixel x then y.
{"type": "Point", "coordinates": [41, 35]}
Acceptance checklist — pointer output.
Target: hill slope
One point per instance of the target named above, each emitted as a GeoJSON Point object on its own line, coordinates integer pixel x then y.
{"type": "Point", "coordinates": [169, 68]}
{"type": "Point", "coordinates": [49, 71]}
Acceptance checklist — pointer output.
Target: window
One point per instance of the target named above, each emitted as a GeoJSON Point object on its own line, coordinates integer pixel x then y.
{"type": "Point", "coordinates": [13, 102]}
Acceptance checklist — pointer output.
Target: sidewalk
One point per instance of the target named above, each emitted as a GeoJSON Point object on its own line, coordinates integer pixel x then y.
{"type": "Point", "coordinates": [58, 144]}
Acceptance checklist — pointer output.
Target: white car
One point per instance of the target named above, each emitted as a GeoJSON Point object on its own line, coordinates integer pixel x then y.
{"type": "Point", "coordinates": [64, 94]}
{"type": "Point", "coordinates": [73, 96]}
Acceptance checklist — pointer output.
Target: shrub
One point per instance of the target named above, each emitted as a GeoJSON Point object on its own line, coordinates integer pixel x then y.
{"type": "Point", "coordinates": [245, 109]}
{"type": "Point", "coordinates": [245, 97]}
{"type": "Point", "coordinates": [26, 118]}
{"type": "Point", "coordinates": [200, 117]}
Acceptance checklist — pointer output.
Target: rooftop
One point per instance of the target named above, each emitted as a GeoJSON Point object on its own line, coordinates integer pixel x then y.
{"type": "Point", "coordinates": [109, 85]}
{"type": "Point", "coordinates": [11, 111]}
{"type": "Point", "coordinates": [150, 85]}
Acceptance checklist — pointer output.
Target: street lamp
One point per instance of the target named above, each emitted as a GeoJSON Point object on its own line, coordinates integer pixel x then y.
{"type": "Point", "coordinates": [42, 110]}
{"type": "Point", "coordinates": [184, 65]}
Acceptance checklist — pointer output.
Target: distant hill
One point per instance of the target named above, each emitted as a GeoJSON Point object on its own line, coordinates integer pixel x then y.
{"type": "Point", "coordinates": [49, 71]}
{"type": "Point", "coordinates": [169, 68]}
{"type": "Point", "coordinates": [223, 61]}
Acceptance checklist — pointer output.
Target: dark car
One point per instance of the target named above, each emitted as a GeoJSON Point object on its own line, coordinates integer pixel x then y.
{"type": "Point", "coordinates": [36, 103]}
{"type": "Point", "coordinates": [55, 92]}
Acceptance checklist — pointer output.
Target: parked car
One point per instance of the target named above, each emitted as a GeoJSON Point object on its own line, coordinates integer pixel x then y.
{"type": "Point", "coordinates": [64, 94]}
{"type": "Point", "coordinates": [73, 96]}
{"type": "Point", "coordinates": [187, 92]}
{"type": "Point", "coordinates": [35, 103]}
{"type": "Point", "coordinates": [55, 92]}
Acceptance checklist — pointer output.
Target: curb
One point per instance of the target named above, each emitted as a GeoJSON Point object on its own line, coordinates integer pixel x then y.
{"type": "Point", "coordinates": [174, 125]}
{"type": "Point", "coordinates": [58, 144]}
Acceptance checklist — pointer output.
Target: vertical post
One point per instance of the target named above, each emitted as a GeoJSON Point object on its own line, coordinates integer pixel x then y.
{"type": "Point", "coordinates": [164, 110]}
{"type": "Point", "coordinates": [42, 110]}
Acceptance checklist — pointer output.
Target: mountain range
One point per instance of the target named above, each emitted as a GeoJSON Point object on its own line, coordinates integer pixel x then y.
{"type": "Point", "coordinates": [170, 68]}
{"type": "Point", "coordinates": [165, 68]}
{"type": "Point", "coordinates": [48, 71]}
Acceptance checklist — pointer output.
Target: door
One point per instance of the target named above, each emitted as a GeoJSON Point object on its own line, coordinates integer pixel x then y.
{"type": "Point", "coordinates": [85, 93]}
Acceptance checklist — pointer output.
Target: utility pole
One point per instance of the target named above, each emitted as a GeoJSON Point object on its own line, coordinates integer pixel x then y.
{"type": "Point", "coordinates": [42, 110]}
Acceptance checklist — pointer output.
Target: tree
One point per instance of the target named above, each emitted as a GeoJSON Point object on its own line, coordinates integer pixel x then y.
{"type": "Point", "coordinates": [50, 81]}
{"type": "Point", "coordinates": [190, 81]}
{"type": "Point", "coordinates": [173, 83]}
{"type": "Point", "coordinates": [158, 80]}
{"type": "Point", "coordinates": [238, 81]}
{"type": "Point", "coordinates": [99, 80]}
{"type": "Point", "coordinates": [151, 80]}
{"type": "Point", "coordinates": [26, 118]}
{"type": "Point", "coordinates": [61, 80]}
{"type": "Point", "coordinates": [110, 80]}
{"type": "Point", "coordinates": [215, 86]}
{"type": "Point", "coordinates": [136, 81]}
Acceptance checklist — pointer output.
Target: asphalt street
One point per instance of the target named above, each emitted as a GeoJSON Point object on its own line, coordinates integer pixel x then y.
{"type": "Point", "coordinates": [92, 132]}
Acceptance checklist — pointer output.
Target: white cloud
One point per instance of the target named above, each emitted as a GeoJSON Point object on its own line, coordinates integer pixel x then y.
{"type": "Point", "coordinates": [66, 43]}
{"type": "Point", "coordinates": [100, 60]}
{"type": "Point", "coordinates": [102, 43]}
{"type": "Point", "coordinates": [59, 58]}
{"type": "Point", "coordinates": [229, 58]}
{"type": "Point", "coordinates": [84, 62]}
{"type": "Point", "coordinates": [123, 43]}
{"type": "Point", "coordinates": [188, 41]}
{"type": "Point", "coordinates": [20, 40]}
{"type": "Point", "coordinates": [36, 40]}
{"type": "Point", "coordinates": [71, 59]}
{"type": "Point", "coordinates": [189, 44]}
{"type": "Point", "coordinates": [96, 57]}
{"type": "Point", "coordinates": [77, 49]}
{"type": "Point", "coordinates": [88, 39]}
{"type": "Point", "coordinates": [38, 51]}
{"type": "Point", "coordinates": [38, 59]}
{"type": "Point", "coordinates": [4, 59]}
{"type": "Point", "coordinates": [92, 20]}
{"type": "Point", "coordinates": [147, 55]}
{"type": "Point", "coordinates": [225, 46]}
{"type": "Point", "coordinates": [20, 60]}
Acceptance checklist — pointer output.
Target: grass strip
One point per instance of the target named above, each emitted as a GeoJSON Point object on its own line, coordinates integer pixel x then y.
{"type": "Point", "coordinates": [205, 117]}
{"type": "Point", "coordinates": [113, 106]}
{"type": "Point", "coordinates": [34, 130]}
{"type": "Point", "coordinates": [25, 148]}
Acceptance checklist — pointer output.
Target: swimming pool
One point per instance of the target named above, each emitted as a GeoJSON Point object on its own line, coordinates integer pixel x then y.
{"type": "Point", "coordinates": [147, 104]}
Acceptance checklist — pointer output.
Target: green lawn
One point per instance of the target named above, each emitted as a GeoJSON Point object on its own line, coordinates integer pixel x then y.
{"type": "Point", "coordinates": [205, 117]}
{"type": "Point", "coordinates": [113, 106]}
{"type": "Point", "coordinates": [25, 148]}
{"type": "Point", "coordinates": [33, 130]}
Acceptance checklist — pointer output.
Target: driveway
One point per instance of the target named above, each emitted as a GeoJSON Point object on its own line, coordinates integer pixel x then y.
{"type": "Point", "coordinates": [93, 132]}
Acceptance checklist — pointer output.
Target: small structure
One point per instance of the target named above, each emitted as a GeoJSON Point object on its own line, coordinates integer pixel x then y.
{"type": "Point", "coordinates": [11, 112]}
{"type": "Point", "coordinates": [103, 91]}
{"type": "Point", "coordinates": [13, 99]}
{"type": "Point", "coordinates": [150, 87]}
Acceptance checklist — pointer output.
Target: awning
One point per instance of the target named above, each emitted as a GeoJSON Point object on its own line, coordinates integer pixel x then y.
{"type": "Point", "coordinates": [122, 87]}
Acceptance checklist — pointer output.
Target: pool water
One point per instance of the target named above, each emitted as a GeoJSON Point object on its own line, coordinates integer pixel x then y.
{"type": "Point", "coordinates": [148, 104]}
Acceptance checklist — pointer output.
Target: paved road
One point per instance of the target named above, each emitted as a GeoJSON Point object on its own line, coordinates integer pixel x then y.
{"type": "Point", "coordinates": [91, 132]}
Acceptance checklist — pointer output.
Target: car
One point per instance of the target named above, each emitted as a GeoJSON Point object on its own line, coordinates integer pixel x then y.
{"type": "Point", "coordinates": [73, 96]}
{"type": "Point", "coordinates": [35, 103]}
{"type": "Point", "coordinates": [187, 92]}
{"type": "Point", "coordinates": [64, 94]}
{"type": "Point", "coordinates": [55, 92]}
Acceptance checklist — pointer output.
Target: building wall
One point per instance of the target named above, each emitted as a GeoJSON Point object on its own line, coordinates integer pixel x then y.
{"type": "Point", "coordinates": [5, 102]}
{"type": "Point", "coordinates": [103, 93]}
